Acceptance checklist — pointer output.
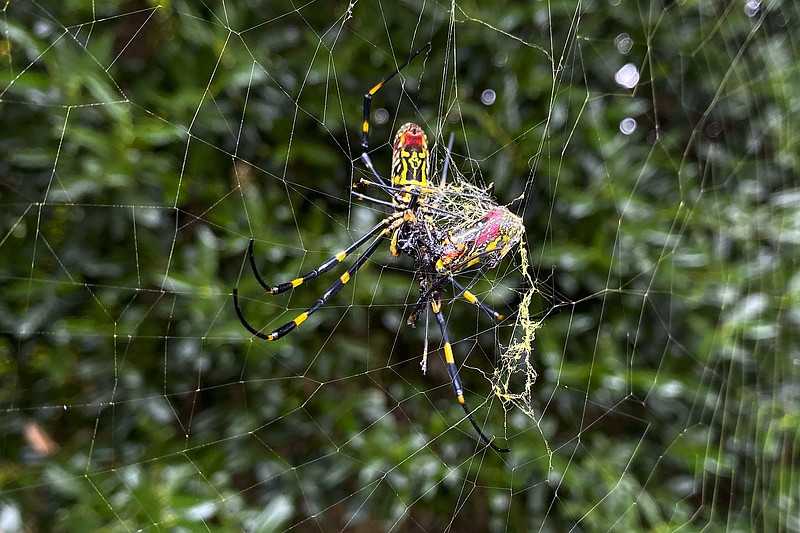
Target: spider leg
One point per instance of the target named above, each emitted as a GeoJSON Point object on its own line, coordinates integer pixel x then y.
{"type": "Point", "coordinates": [436, 306]}
{"type": "Point", "coordinates": [374, 89]}
{"type": "Point", "coordinates": [471, 298]}
{"type": "Point", "coordinates": [424, 363]}
{"type": "Point", "coordinates": [371, 199]}
{"type": "Point", "coordinates": [368, 163]}
{"type": "Point", "coordinates": [446, 165]}
{"type": "Point", "coordinates": [333, 290]}
{"type": "Point", "coordinates": [463, 293]}
{"type": "Point", "coordinates": [391, 189]}
{"type": "Point", "coordinates": [424, 298]}
{"type": "Point", "coordinates": [324, 267]}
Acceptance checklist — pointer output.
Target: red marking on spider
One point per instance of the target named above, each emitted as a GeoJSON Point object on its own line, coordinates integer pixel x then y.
{"type": "Point", "coordinates": [412, 138]}
{"type": "Point", "coordinates": [492, 229]}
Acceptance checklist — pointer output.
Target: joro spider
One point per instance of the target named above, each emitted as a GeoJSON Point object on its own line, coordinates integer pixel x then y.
{"type": "Point", "coordinates": [449, 229]}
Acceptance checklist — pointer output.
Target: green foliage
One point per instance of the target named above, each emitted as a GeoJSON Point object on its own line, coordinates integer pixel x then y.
{"type": "Point", "coordinates": [144, 143]}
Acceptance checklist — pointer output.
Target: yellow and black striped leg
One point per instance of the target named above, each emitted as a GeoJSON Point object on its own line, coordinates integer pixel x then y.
{"type": "Point", "coordinates": [471, 298]}
{"type": "Point", "coordinates": [333, 290]}
{"type": "Point", "coordinates": [436, 306]}
{"type": "Point", "coordinates": [374, 89]}
{"type": "Point", "coordinates": [324, 267]}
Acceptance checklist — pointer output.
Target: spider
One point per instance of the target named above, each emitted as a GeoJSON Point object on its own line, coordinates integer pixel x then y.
{"type": "Point", "coordinates": [448, 229]}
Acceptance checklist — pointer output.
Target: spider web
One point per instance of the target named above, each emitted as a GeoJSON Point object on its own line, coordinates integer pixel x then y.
{"type": "Point", "coordinates": [645, 379]}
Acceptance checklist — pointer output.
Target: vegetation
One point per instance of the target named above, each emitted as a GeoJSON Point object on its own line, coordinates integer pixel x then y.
{"type": "Point", "coordinates": [143, 144]}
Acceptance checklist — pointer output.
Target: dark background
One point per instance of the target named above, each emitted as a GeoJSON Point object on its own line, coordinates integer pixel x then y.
{"type": "Point", "coordinates": [142, 145]}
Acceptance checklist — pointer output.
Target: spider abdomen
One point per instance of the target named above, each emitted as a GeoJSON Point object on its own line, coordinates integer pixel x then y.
{"type": "Point", "coordinates": [483, 245]}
